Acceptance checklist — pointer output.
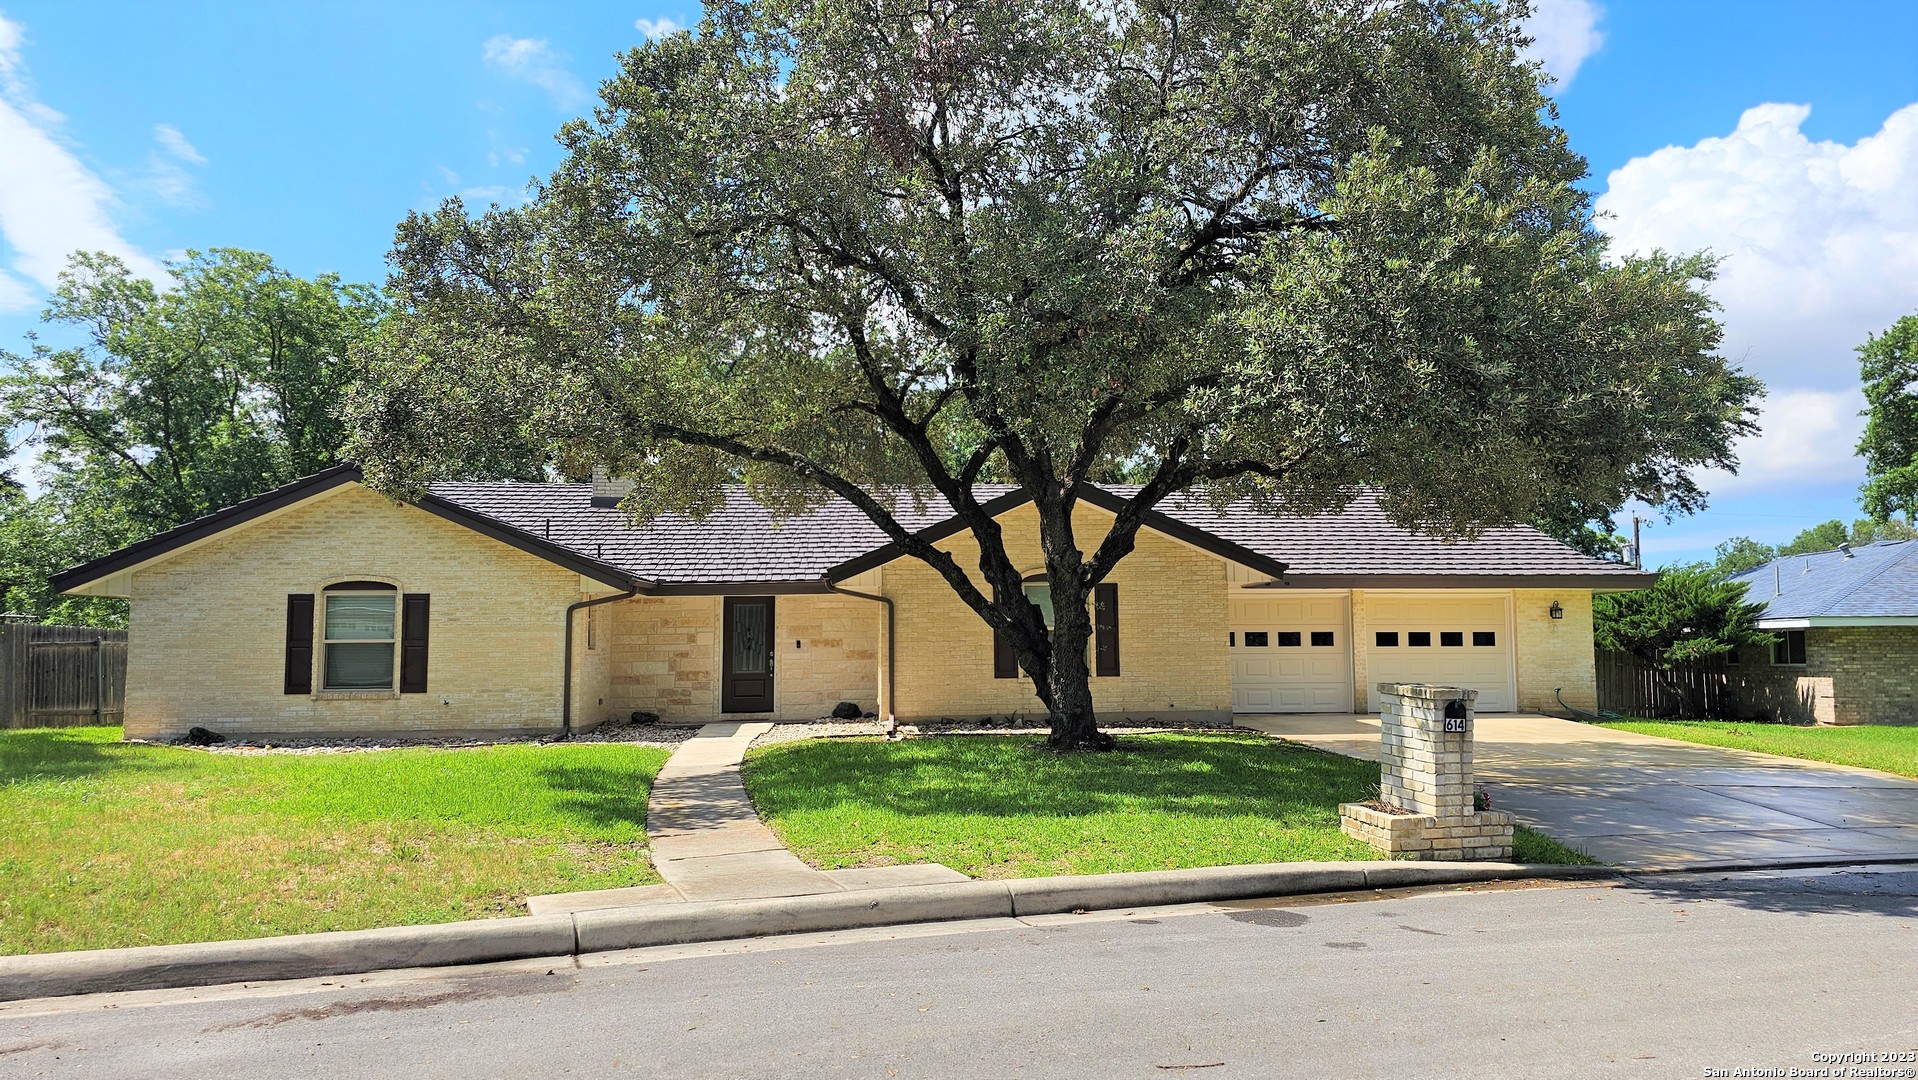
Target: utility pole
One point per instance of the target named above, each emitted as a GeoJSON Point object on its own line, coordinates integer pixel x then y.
{"type": "Point", "coordinates": [1638, 552]}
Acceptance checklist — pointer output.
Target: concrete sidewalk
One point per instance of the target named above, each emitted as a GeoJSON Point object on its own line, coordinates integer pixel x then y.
{"type": "Point", "coordinates": [1641, 802]}
{"type": "Point", "coordinates": [707, 840]}
{"type": "Point", "coordinates": [709, 844]}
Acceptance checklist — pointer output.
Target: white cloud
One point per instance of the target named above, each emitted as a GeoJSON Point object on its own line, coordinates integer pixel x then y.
{"type": "Point", "coordinates": [176, 144]}
{"type": "Point", "coordinates": [12, 72]}
{"type": "Point", "coordinates": [658, 28]}
{"type": "Point", "coordinates": [533, 60]}
{"type": "Point", "coordinates": [15, 295]}
{"type": "Point", "coordinates": [167, 176]}
{"type": "Point", "coordinates": [51, 204]}
{"type": "Point", "coordinates": [1564, 33]}
{"type": "Point", "coordinates": [512, 155]}
{"type": "Point", "coordinates": [1820, 242]}
{"type": "Point", "coordinates": [1807, 439]}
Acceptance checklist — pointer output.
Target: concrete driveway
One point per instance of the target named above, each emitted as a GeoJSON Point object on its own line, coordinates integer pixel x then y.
{"type": "Point", "coordinates": [1642, 802]}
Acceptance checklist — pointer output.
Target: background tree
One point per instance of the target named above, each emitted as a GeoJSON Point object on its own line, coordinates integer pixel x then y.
{"type": "Point", "coordinates": [1888, 364]}
{"type": "Point", "coordinates": [172, 404]}
{"type": "Point", "coordinates": [1742, 553]}
{"type": "Point", "coordinates": [1275, 251]}
{"type": "Point", "coordinates": [1692, 614]}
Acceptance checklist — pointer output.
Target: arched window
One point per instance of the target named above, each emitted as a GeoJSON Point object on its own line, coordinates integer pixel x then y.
{"type": "Point", "coordinates": [361, 639]}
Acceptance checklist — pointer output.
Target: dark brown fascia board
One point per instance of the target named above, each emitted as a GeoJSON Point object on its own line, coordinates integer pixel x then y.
{"type": "Point", "coordinates": [737, 588]}
{"type": "Point", "coordinates": [202, 527]}
{"type": "Point", "coordinates": [1098, 497]}
{"type": "Point", "coordinates": [1596, 582]}
{"type": "Point", "coordinates": [318, 483]}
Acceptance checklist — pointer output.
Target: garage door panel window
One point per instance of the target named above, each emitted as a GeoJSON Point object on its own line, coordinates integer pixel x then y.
{"type": "Point", "coordinates": [1386, 639]}
{"type": "Point", "coordinates": [1288, 639]}
{"type": "Point", "coordinates": [1485, 638]}
{"type": "Point", "coordinates": [1452, 638]}
{"type": "Point", "coordinates": [1418, 639]}
{"type": "Point", "coordinates": [1257, 639]}
{"type": "Point", "coordinates": [1323, 639]}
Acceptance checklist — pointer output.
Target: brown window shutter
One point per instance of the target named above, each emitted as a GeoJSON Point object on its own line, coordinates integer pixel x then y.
{"type": "Point", "coordinates": [1105, 629]}
{"type": "Point", "coordinates": [413, 643]}
{"type": "Point", "coordinates": [299, 643]}
{"type": "Point", "coordinates": [1005, 664]}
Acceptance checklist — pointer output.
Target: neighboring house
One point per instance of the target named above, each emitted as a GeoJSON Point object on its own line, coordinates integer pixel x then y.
{"type": "Point", "coordinates": [1847, 645]}
{"type": "Point", "coordinates": [324, 607]}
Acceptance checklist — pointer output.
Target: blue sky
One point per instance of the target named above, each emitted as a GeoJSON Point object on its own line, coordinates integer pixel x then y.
{"type": "Point", "coordinates": [1783, 136]}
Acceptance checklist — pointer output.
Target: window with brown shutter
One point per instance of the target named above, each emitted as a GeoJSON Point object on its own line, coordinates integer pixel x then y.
{"type": "Point", "coordinates": [413, 624]}
{"type": "Point", "coordinates": [1005, 664]}
{"type": "Point", "coordinates": [1105, 629]}
{"type": "Point", "coordinates": [299, 643]}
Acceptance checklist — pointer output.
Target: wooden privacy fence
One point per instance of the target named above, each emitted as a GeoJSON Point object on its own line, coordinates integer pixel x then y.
{"type": "Point", "coordinates": [1629, 685]}
{"type": "Point", "coordinates": [61, 676]}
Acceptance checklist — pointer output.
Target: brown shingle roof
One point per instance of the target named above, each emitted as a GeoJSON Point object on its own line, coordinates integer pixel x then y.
{"type": "Point", "coordinates": [743, 543]}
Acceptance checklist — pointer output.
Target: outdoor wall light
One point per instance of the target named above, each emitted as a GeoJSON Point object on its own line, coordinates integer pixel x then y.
{"type": "Point", "coordinates": [1557, 610]}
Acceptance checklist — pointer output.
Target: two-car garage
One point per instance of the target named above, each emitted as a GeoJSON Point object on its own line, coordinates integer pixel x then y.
{"type": "Point", "coordinates": [1296, 651]}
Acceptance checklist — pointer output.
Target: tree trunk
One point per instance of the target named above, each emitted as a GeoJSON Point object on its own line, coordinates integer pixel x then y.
{"type": "Point", "coordinates": [1074, 727]}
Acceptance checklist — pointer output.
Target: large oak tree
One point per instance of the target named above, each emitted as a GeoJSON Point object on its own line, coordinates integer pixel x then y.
{"type": "Point", "coordinates": [1276, 251]}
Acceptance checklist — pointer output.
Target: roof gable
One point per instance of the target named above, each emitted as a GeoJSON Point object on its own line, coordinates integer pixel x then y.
{"type": "Point", "coordinates": [288, 496]}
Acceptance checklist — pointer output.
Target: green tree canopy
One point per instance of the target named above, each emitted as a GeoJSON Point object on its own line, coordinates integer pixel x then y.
{"type": "Point", "coordinates": [1742, 553]}
{"type": "Point", "coordinates": [175, 401]}
{"type": "Point", "coordinates": [1690, 615]}
{"type": "Point", "coordinates": [1277, 251]}
{"type": "Point", "coordinates": [1888, 364]}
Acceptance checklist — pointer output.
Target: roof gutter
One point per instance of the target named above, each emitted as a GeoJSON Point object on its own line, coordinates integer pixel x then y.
{"type": "Point", "coordinates": [892, 653]}
{"type": "Point", "coordinates": [566, 676]}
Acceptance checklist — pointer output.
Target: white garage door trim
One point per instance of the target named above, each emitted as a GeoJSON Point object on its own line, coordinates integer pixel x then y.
{"type": "Point", "coordinates": [1495, 695]}
{"type": "Point", "coordinates": [1277, 678]}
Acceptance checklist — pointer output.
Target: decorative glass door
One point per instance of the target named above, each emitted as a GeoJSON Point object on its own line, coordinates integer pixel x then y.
{"type": "Point", "coordinates": [746, 684]}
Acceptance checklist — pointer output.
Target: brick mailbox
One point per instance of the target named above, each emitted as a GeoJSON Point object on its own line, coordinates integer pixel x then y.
{"type": "Point", "coordinates": [1425, 806]}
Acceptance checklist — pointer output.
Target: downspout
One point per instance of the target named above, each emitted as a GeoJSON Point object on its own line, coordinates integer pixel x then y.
{"type": "Point", "coordinates": [566, 678]}
{"type": "Point", "coordinates": [892, 653]}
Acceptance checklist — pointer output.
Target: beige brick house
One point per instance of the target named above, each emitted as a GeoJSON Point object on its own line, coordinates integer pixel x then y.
{"type": "Point", "coordinates": [324, 607]}
{"type": "Point", "coordinates": [1847, 637]}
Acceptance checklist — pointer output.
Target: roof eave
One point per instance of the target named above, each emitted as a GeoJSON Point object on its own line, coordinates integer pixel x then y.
{"type": "Point", "coordinates": [1614, 582]}
{"type": "Point", "coordinates": [319, 483]}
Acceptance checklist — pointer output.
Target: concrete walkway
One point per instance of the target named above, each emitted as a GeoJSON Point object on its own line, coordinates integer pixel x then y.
{"type": "Point", "coordinates": [707, 840]}
{"type": "Point", "coordinates": [709, 844]}
{"type": "Point", "coordinates": [1641, 802]}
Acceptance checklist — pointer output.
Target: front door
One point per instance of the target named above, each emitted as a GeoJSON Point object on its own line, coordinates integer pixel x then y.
{"type": "Point", "coordinates": [746, 682]}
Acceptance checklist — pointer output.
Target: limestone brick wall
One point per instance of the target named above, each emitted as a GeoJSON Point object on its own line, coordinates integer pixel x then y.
{"type": "Point", "coordinates": [208, 626]}
{"type": "Point", "coordinates": [1851, 675]}
{"type": "Point", "coordinates": [1172, 626]}
{"type": "Point", "coordinates": [665, 655]}
{"type": "Point", "coordinates": [1554, 652]}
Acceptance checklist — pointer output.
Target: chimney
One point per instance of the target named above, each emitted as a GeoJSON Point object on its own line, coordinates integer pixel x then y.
{"type": "Point", "coordinates": [606, 490]}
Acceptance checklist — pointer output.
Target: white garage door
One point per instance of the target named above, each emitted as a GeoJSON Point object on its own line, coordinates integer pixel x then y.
{"type": "Point", "coordinates": [1445, 639]}
{"type": "Point", "coordinates": [1290, 653]}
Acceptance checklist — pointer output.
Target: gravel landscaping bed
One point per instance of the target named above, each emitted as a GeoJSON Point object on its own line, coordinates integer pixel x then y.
{"type": "Point", "coordinates": [819, 729]}
{"type": "Point", "coordinates": [660, 735]}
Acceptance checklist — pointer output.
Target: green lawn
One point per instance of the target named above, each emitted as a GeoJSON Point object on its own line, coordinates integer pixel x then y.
{"type": "Point", "coordinates": [998, 806]}
{"type": "Point", "coordinates": [107, 843]}
{"type": "Point", "coordinates": [1888, 749]}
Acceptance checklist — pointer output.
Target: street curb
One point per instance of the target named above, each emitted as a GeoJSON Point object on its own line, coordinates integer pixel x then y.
{"type": "Point", "coordinates": [348, 952]}
{"type": "Point", "coordinates": [295, 956]}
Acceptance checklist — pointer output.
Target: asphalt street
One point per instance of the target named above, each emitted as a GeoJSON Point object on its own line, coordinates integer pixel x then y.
{"type": "Point", "coordinates": [1656, 976]}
